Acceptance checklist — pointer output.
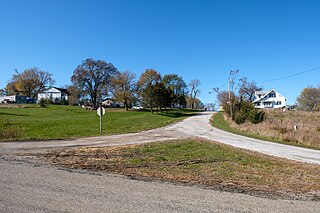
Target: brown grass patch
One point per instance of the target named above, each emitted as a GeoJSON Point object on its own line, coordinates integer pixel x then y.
{"type": "Point", "coordinates": [280, 125]}
{"type": "Point", "coordinates": [199, 162]}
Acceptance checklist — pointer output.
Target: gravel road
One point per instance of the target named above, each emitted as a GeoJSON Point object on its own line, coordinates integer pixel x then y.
{"type": "Point", "coordinates": [31, 187]}
{"type": "Point", "coordinates": [195, 126]}
{"type": "Point", "coordinates": [27, 187]}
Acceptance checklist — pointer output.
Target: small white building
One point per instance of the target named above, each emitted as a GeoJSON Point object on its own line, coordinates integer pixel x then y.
{"type": "Point", "coordinates": [18, 99]}
{"type": "Point", "coordinates": [55, 94]}
{"type": "Point", "coordinates": [108, 102]}
{"type": "Point", "coordinates": [269, 99]}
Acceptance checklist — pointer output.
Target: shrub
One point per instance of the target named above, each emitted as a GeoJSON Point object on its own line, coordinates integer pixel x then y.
{"type": "Point", "coordinates": [244, 110]}
{"type": "Point", "coordinates": [64, 101]}
{"type": "Point", "coordinates": [42, 103]}
{"type": "Point", "coordinates": [256, 116]}
{"type": "Point", "coordinates": [240, 118]}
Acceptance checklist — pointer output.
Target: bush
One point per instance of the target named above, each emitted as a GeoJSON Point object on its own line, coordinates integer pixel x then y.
{"type": "Point", "coordinates": [64, 101]}
{"type": "Point", "coordinates": [256, 116]}
{"type": "Point", "coordinates": [42, 103]}
{"type": "Point", "coordinates": [240, 118]}
{"type": "Point", "coordinates": [243, 111]}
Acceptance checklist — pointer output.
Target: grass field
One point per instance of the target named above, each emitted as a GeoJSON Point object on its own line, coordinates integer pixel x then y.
{"type": "Point", "coordinates": [56, 122]}
{"type": "Point", "coordinates": [199, 162]}
{"type": "Point", "coordinates": [278, 127]}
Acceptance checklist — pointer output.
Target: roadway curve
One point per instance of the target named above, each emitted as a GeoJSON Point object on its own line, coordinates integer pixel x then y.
{"type": "Point", "coordinates": [29, 186]}
{"type": "Point", "coordinates": [195, 126]}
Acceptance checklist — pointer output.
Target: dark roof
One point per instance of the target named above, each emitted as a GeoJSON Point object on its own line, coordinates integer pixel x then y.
{"type": "Point", "coordinates": [62, 90]}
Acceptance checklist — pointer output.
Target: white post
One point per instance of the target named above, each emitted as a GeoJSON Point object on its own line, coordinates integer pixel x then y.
{"type": "Point", "coordinates": [100, 120]}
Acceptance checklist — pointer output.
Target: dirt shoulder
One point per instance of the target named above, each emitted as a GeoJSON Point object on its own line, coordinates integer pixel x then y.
{"type": "Point", "coordinates": [198, 162]}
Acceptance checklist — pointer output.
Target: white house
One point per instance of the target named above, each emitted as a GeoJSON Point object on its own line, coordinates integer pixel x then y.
{"type": "Point", "coordinates": [269, 99]}
{"type": "Point", "coordinates": [55, 94]}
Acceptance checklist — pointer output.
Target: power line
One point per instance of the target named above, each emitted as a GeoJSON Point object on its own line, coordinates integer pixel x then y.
{"type": "Point", "coordinates": [275, 79]}
{"type": "Point", "coordinates": [288, 76]}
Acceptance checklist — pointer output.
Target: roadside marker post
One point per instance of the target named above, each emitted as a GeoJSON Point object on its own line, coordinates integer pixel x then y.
{"type": "Point", "coordinates": [101, 111]}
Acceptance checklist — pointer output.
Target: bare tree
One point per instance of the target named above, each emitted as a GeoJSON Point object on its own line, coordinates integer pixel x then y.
{"type": "Point", "coordinates": [92, 78]}
{"type": "Point", "coordinates": [231, 81]}
{"type": "Point", "coordinates": [3, 92]}
{"type": "Point", "coordinates": [247, 89]}
{"type": "Point", "coordinates": [123, 87]}
{"type": "Point", "coordinates": [30, 82]}
{"type": "Point", "coordinates": [194, 91]}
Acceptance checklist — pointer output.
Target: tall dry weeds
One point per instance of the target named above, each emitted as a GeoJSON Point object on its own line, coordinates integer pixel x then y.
{"type": "Point", "coordinates": [281, 125]}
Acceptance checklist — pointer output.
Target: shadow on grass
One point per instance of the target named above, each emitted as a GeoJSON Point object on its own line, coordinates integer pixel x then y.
{"type": "Point", "coordinates": [177, 114]}
{"type": "Point", "coordinates": [13, 114]}
{"type": "Point", "coordinates": [172, 112]}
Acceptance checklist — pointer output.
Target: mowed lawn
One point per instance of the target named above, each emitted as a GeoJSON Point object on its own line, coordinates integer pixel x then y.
{"type": "Point", "coordinates": [56, 122]}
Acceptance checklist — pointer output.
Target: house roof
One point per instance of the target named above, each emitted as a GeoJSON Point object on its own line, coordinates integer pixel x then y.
{"type": "Point", "coordinates": [261, 92]}
{"type": "Point", "coordinates": [61, 90]}
{"type": "Point", "coordinates": [265, 94]}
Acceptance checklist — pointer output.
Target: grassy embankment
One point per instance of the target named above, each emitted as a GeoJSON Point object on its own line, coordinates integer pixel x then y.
{"type": "Point", "coordinates": [278, 127]}
{"type": "Point", "coordinates": [56, 122]}
{"type": "Point", "coordinates": [199, 162]}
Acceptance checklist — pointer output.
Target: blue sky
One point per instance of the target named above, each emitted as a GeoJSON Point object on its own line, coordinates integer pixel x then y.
{"type": "Point", "coordinates": [196, 39]}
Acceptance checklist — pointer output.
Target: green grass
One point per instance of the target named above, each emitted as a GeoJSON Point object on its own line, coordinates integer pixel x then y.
{"type": "Point", "coordinates": [219, 122]}
{"type": "Point", "coordinates": [57, 122]}
{"type": "Point", "coordinates": [197, 162]}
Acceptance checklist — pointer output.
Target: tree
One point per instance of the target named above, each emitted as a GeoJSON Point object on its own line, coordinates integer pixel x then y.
{"type": "Point", "coordinates": [178, 88]}
{"type": "Point", "coordinates": [194, 91]}
{"type": "Point", "coordinates": [309, 98]}
{"type": "Point", "coordinates": [225, 101]}
{"type": "Point", "coordinates": [29, 83]}
{"type": "Point", "coordinates": [74, 95]}
{"type": "Point", "coordinates": [3, 92]}
{"type": "Point", "coordinates": [247, 89]}
{"type": "Point", "coordinates": [211, 106]}
{"type": "Point", "coordinates": [92, 78]}
{"type": "Point", "coordinates": [162, 96]}
{"type": "Point", "coordinates": [196, 103]}
{"type": "Point", "coordinates": [146, 83]}
{"type": "Point", "coordinates": [123, 88]}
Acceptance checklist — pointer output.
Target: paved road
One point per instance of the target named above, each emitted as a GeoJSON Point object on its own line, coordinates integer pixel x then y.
{"type": "Point", "coordinates": [31, 187]}
{"type": "Point", "coordinates": [26, 187]}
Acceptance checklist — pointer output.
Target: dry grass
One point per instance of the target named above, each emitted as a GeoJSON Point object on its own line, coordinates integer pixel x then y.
{"type": "Point", "coordinates": [205, 163]}
{"type": "Point", "coordinates": [17, 106]}
{"type": "Point", "coordinates": [280, 125]}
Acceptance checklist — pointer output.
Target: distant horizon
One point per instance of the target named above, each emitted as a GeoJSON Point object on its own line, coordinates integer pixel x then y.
{"type": "Point", "coordinates": [274, 43]}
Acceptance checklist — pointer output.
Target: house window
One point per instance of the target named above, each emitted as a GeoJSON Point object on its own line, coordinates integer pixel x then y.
{"type": "Point", "coordinates": [272, 95]}
{"type": "Point", "coordinates": [279, 103]}
{"type": "Point", "coordinates": [257, 103]}
{"type": "Point", "coordinates": [267, 103]}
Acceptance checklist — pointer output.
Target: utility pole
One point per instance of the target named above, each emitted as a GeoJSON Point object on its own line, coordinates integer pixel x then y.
{"type": "Point", "coordinates": [229, 94]}
{"type": "Point", "coordinates": [231, 79]}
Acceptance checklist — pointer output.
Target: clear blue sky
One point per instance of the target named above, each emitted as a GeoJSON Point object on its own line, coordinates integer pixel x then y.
{"type": "Point", "coordinates": [196, 39]}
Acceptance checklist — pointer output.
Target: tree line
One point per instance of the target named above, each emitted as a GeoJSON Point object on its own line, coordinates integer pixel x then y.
{"type": "Point", "coordinates": [94, 80]}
